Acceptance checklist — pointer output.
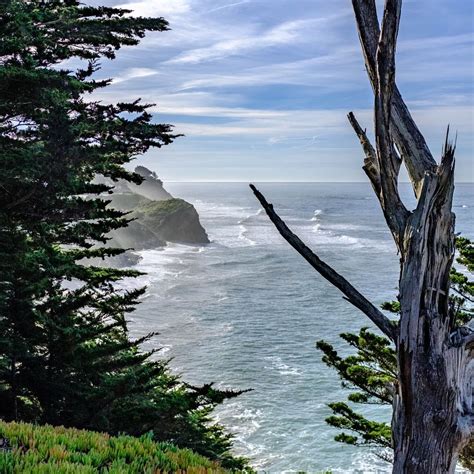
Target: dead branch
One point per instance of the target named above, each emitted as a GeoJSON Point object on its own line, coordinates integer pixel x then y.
{"type": "Point", "coordinates": [352, 295]}
{"type": "Point", "coordinates": [408, 138]}
{"type": "Point", "coordinates": [371, 166]}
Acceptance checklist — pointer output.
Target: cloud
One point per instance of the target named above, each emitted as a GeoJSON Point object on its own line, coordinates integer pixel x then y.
{"type": "Point", "coordinates": [326, 71]}
{"type": "Point", "coordinates": [134, 73]}
{"type": "Point", "coordinates": [271, 127]}
{"type": "Point", "coordinates": [285, 33]}
{"type": "Point", "coordinates": [280, 76]}
{"type": "Point", "coordinates": [154, 8]}
{"type": "Point", "coordinates": [295, 142]}
{"type": "Point", "coordinates": [282, 34]}
{"type": "Point", "coordinates": [435, 42]}
{"type": "Point", "coordinates": [229, 5]}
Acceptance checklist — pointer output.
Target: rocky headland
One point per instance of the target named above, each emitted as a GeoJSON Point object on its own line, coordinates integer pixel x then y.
{"type": "Point", "coordinates": [158, 218]}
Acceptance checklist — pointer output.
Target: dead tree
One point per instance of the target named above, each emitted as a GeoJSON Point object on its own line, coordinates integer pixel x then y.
{"type": "Point", "coordinates": [433, 414]}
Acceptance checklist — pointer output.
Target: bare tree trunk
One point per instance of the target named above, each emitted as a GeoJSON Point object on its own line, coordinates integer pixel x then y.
{"type": "Point", "coordinates": [427, 435]}
{"type": "Point", "coordinates": [433, 416]}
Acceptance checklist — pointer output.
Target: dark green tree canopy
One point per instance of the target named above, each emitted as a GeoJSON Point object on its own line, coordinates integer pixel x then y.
{"type": "Point", "coordinates": [65, 353]}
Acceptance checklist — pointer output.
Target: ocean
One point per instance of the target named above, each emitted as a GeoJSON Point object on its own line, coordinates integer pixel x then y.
{"type": "Point", "coordinates": [246, 310]}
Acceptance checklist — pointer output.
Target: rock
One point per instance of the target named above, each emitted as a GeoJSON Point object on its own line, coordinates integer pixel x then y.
{"type": "Point", "coordinates": [158, 218]}
{"type": "Point", "coordinates": [126, 259]}
{"type": "Point", "coordinates": [156, 222]}
{"type": "Point", "coordinates": [135, 236]}
{"type": "Point", "coordinates": [152, 187]}
{"type": "Point", "coordinates": [126, 201]}
{"type": "Point", "coordinates": [173, 220]}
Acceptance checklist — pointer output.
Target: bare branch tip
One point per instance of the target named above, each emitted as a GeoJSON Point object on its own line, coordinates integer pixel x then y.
{"type": "Point", "coordinates": [449, 147]}
{"type": "Point", "coordinates": [253, 188]}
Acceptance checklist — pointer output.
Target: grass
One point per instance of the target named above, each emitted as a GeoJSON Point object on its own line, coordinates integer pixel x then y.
{"type": "Point", "coordinates": [46, 450]}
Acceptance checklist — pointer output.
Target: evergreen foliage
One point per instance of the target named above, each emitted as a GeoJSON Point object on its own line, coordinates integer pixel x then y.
{"type": "Point", "coordinates": [372, 370]}
{"type": "Point", "coordinates": [65, 353]}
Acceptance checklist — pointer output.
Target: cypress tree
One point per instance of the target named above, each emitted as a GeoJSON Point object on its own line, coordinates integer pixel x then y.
{"type": "Point", "coordinates": [65, 353]}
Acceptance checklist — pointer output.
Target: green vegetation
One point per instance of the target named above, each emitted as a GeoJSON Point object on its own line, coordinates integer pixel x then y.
{"type": "Point", "coordinates": [127, 201]}
{"type": "Point", "coordinates": [372, 370]}
{"type": "Point", "coordinates": [161, 209]}
{"type": "Point", "coordinates": [144, 207]}
{"type": "Point", "coordinates": [44, 449]}
{"type": "Point", "coordinates": [66, 357]}
{"type": "Point", "coordinates": [164, 208]}
{"type": "Point", "coordinates": [154, 223]}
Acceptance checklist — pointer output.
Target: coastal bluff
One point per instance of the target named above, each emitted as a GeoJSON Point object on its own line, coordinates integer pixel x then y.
{"type": "Point", "coordinates": [156, 217]}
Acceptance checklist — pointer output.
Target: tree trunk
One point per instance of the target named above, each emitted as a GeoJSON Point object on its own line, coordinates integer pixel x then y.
{"type": "Point", "coordinates": [427, 435]}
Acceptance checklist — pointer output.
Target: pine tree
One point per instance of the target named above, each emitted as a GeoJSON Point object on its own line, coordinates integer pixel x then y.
{"type": "Point", "coordinates": [65, 353]}
{"type": "Point", "coordinates": [373, 369]}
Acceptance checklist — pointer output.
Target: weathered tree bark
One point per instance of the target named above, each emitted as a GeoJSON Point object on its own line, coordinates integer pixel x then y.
{"type": "Point", "coordinates": [433, 414]}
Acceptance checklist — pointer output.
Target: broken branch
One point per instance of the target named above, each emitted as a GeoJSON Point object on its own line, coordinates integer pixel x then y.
{"type": "Point", "coordinates": [371, 166]}
{"type": "Point", "coordinates": [352, 295]}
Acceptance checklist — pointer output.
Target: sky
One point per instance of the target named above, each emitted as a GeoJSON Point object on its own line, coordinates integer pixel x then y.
{"type": "Point", "coordinates": [261, 88]}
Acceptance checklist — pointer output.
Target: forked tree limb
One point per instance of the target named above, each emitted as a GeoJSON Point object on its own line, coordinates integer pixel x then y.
{"type": "Point", "coordinates": [384, 182]}
{"type": "Point", "coordinates": [352, 294]}
{"type": "Point", "coordinates": [383, 164]}
{"type": "Point", "coordinates": [408, 138]}
{"type": "Point", "coordinates": [388, 161]}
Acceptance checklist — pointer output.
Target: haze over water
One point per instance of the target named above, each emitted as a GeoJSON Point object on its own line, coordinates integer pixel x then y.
{"type": "Point", "coordinates": [246, 310]}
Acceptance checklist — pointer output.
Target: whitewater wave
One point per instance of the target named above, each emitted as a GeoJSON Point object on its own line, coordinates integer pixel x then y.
{"type": "Point", "coordinates": [231, 226]}
{"type": "Point", "coordinates": [316, 220]}
{"type": "Point", "coordinates": [282, 368]}
{"type": "Point", "coordinates": [252, 216]}
{"type": "Point", "coordinates": [316, 215]}
{"type": "Point", "coordinates": [365, 463]}
{"type": "Point", "coordinates": [243, 421]}
{"type": "Point", "coordinates": [243, 235]}
{"type": "Point", "coordinates": [329, 235]}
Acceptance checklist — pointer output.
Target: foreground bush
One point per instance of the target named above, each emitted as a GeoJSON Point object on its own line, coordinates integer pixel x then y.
{"type": "Point", "coordinates": [46, 449]}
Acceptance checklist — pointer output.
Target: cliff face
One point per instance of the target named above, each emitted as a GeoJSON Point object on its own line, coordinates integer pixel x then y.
{"type": "Point", "coordinates": [136, 236]}
{"type": "Point", "coordinates": [173, 220]}
{"type": "Point", "coordinates": [156, 221]}
{"type": "Point", "coordinates": [151, 188]}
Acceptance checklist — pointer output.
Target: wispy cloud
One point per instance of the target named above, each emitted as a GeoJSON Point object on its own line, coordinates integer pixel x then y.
{"type": "Point", "coordinates": [228, 5]}
{"type": "Point", "coordinates": [157, 7]}
{"type": "Point", "coordinates": [286, 33]}
{"type": "Point", "coordinates": [282, 34]}
{"type": "Point", "coordinates": [326, 71]}
{"type": "Point", "coordinates": [257, 79]}
{"type": "Point", "coordinates": [134, 73]}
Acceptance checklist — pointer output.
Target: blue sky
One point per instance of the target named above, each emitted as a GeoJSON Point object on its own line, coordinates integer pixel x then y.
{"type": "Point", "coordinates": [261, 88]}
